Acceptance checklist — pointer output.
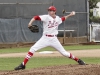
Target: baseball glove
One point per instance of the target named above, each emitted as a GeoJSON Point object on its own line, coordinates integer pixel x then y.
{"type": "Point", "coordinates": [34, 28]}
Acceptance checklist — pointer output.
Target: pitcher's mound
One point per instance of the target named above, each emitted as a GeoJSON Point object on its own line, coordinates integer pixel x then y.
{"type": "Point", "coordinates": [91, 69]}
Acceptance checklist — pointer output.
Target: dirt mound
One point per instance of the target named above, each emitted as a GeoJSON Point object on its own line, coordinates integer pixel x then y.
{"type": "Point", "coordinates": [91, 69]}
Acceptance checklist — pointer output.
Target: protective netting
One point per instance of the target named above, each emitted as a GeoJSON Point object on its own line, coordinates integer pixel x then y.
{"type": "Point", "coordinates": [15, 16]}
{"type": "Point", "coordinates": [16, 30]}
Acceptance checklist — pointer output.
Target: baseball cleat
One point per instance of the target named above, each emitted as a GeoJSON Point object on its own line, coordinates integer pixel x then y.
{"type": "Point", "coordinates": [81, 62]}
{"type": "Point", "coordinates": [20, 67]}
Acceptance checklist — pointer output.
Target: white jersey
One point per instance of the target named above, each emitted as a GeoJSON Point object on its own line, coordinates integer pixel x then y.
{"type": "Point", "coordinates": [50, 25]}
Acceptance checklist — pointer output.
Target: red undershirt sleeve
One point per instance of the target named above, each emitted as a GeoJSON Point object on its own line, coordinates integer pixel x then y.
{"type": "Point", "coordinates": [63, 18]}
{"type": "Point", "coordinates": [37, 18]}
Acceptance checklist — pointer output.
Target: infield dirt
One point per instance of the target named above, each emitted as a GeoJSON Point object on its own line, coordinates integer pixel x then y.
{"type": "Point", "coordinates": [58, 70]}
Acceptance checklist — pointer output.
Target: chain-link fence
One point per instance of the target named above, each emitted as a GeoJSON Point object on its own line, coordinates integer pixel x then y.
{"type": "Point", "coordinates": [15, 16]}
{"type": "Point", "coordinates": [94, 30]}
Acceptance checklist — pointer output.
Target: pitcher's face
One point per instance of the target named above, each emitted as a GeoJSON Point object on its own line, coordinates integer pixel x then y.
{"type": "Point", "coordinates": [51, 12]}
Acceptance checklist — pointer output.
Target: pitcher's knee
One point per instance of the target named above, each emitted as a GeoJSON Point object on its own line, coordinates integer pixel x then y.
{"type": "Point", "coordinates": [65, 53]}
{"type": "Point", "coordinates": [32, 49]}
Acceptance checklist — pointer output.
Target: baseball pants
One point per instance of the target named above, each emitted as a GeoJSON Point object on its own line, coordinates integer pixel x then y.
{"type": "Point", "coordinates": [45, 41]}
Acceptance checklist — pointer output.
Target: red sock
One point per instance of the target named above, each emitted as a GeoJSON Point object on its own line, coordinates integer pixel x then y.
{"type": "Point", "coordinates": [28, 56]}
{"type": "Point", "coordinates": [73, 57]}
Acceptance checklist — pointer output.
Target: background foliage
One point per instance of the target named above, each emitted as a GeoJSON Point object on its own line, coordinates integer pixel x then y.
{"type": "Point", "coordinates": [93, 4]}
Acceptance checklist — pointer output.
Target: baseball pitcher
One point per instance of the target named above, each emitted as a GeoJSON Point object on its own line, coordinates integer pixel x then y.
{"type": "Point", "coordinates": [49, 38]}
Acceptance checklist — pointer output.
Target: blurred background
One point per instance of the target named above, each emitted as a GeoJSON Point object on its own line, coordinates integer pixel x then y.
{"type": "Point", "coordinates": [16, 14]}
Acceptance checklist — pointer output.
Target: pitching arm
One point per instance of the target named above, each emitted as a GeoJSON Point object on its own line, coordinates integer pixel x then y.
{"type": "Point", "coordinates": [71, 14]}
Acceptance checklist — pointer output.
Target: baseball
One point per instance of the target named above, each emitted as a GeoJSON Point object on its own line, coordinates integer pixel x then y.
{"type": "Point", "coordinates": [73, 12]}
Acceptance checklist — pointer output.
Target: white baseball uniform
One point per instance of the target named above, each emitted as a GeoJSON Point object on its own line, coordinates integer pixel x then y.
{"type": "Point", "coordinates": [49, 37]}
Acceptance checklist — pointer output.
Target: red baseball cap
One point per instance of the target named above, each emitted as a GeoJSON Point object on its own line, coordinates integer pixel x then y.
{"type": "Point", "coordinates": [52, 8]}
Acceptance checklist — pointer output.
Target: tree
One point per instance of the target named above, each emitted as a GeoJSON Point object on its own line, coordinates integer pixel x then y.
{"type": "Point", "coordinates": [93, 4]}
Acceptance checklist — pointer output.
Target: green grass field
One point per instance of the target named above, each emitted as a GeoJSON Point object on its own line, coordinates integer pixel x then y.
{"type": "Point", "coordinates": [73, 47]}
{"type": "Point", "coordinates": [10, 63]}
